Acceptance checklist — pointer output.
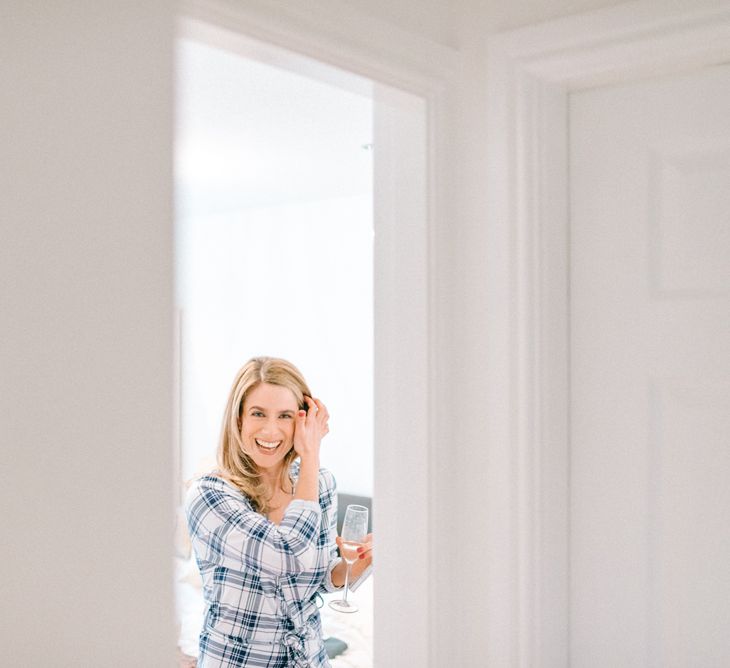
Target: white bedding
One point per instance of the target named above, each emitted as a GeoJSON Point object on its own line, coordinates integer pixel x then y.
{"type": "Point", "coordinates": [355, 629]}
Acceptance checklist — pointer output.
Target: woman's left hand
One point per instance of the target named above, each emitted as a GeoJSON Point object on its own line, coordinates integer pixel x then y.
{"type": "Point", "coordinates": [365, 557]}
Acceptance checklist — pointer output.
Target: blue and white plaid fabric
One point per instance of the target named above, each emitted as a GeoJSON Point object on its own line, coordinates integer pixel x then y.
{"type": "Point", "coordinates": [261, 581]}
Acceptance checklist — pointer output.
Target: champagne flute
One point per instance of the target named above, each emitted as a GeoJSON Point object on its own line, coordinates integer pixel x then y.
{"type": "Point", "coordinates": [354, 532]}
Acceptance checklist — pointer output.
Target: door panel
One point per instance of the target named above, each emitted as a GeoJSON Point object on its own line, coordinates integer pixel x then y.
{"type": "Point", "coordinates": [650, 373]}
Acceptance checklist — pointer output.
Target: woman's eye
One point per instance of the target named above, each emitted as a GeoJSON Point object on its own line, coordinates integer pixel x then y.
{"type": "Point", "coordinates": [286, 416]}
{"type": "Point", "coordinates": [257, 414]}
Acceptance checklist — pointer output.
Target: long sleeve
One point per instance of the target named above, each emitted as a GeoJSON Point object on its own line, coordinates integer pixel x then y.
{"type": "Point", "coordinates": [328, 501]}
{"type": "Point", "coordinates": [227, 532]}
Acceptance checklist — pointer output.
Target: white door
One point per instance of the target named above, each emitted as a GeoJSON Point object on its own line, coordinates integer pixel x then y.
{"type": "Point", "coordinates": [650, 373]}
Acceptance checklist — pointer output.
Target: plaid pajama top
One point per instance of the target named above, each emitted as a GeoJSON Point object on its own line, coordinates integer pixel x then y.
{"type": "Point", "coordinates": [260, 580]}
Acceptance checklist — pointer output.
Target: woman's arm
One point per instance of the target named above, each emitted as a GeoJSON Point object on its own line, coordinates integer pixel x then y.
{"type": "Point", "coordinates": [226, 531]}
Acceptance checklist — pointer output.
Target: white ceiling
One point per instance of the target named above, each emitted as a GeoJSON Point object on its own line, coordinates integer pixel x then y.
{"type": "Point", "coordinates": [250, 134]}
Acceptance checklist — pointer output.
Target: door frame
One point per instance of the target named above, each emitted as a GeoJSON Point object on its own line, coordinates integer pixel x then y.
{"type": "Point", "coordinates": [531, 73]}
{"type": "Point", "coordinates": [409, 333]}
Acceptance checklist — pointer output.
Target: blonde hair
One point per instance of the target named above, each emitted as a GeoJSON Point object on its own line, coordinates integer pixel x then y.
{"type": "Point", "coordinates": [233, 463]}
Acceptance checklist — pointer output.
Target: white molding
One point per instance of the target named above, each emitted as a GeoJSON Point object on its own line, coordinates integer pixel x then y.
{"type": "Point", "coordinates": [333, 38]}
{"type": "Point", "coordinates": [334, 33]}
{"type": "Point", "coordinates": [531, 73]}
{"type": "Point", "coordinates": [402, 499]}
{"type": "Point", "coordinates": [622, 43]}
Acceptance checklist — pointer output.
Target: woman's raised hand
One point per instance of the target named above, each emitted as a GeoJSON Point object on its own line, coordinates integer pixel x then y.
{"type": "Point", "coordinates": [310, 428]}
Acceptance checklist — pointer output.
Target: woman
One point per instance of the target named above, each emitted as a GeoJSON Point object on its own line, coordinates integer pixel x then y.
{"type": "Point", "coordinates": [264, 525]}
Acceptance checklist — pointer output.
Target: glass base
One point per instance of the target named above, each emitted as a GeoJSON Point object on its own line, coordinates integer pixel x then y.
{"type": "Point", "coordinates": [343, 606]}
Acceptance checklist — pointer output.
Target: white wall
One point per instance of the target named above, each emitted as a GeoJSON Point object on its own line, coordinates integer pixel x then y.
{"type": "Point", "coordinates": [86, 310]}
{"type": "Point", "coordinates": [87, 276]}
{"type": "Point", "coordinates": [292, 281]}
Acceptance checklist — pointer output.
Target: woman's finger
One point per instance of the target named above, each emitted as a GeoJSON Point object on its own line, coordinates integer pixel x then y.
{"type": "Point", "coordinates": [322, 409]}
{"type": "Point", "coordinates": [312, 408]}
{"type": "Point", "coordinates": [366, 546]}
{"type": "Point", "coordinates": [299, 430]}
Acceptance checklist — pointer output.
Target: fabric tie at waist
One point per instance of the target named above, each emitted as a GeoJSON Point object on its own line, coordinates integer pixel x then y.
{"type": "Point", "coordinates": [295, 641]}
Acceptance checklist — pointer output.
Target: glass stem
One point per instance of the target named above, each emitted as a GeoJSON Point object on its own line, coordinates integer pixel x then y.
{"type": "Point", "coordinates": [347, 582]}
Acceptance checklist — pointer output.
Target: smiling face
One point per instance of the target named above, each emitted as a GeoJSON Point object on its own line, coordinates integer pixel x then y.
{"type": "Point", "coordinates": [267, 424]}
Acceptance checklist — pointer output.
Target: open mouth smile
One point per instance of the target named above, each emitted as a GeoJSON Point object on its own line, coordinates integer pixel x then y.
{"type": "Point", "coordinates": [267, 447]}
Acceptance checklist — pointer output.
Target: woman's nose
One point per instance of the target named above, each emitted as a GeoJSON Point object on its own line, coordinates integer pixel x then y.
{"type": "Point", "coordinates": [271, 425]}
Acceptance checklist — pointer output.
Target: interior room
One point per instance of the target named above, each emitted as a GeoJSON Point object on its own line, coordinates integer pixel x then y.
{"type": "Point", "coordinates": [549, 350]}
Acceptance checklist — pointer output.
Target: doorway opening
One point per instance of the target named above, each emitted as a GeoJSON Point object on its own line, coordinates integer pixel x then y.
{"type": "Point", "coordinates": [287, 245]}
{"type": "Point", "coordinates": [274, 256]}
